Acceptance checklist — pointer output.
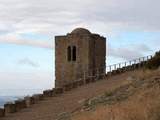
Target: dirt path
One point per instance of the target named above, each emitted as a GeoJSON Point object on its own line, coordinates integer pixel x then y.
{"type": "Point", "coordinates": [68, 102]}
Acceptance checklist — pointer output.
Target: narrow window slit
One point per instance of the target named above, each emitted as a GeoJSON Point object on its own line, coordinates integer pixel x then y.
{"type": "Point", "coordinates": [69, 53]}
{"type": "Point", "coordinates": [74, 53]}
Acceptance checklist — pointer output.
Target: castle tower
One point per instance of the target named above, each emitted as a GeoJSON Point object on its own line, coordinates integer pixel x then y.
{"type": "Point", "coordinates": [77, 53]}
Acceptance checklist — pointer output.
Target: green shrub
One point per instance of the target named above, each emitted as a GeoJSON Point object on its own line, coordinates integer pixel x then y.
{"type": "Point", "coordinates": [108, 93]}
{"type": "Point", "coordinates": [154, 62]}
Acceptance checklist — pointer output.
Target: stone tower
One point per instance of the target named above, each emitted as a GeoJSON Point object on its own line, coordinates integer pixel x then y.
{"type": "Point", "coordinates": [77, 53]}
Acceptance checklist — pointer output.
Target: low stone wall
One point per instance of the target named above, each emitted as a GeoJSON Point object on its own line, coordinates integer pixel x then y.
{"type": "Point", "coordinates": [9, 108]}
{"type": "Point", "coordinates": [57, 91]}
{"type": "Point", "coordinates": [28, 101]}
{"type": "Point", "coordinates": [48, 93]}
{"type": "Point", "coordinates": [37, 97]}
{"type": "Point", "coordinates": [20, 104]}
{"type": "Point", "coordinates": [2, 112]}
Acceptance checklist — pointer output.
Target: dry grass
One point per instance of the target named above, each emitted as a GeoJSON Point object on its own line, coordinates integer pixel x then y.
{"type": "Point", "coordinates": [143, 105]}
{"type": "Point", "coordinates": [145, 74]}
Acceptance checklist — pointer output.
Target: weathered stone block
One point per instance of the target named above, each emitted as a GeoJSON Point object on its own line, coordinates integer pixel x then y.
{"type": "Point", "coordinates": [118, 71]}
{"type": "Point", "coordinates": [75, 84]}
{"type": "Point", "coordinates": [124, 69]}
{"type": "Point", "coordinates": [80, 82]}
{"type": "Point", "coordinates": [38, 97]}
{"type": "Point", "coordinates": [41, 96]}
{"type": "Point", "coordinates": [99, 78]}
{"type": "Point", "coordinates": [67, 87]}
{"type": "Point", "coordinates": [128, 68]}
{"type": "Point", "coordinates": [2, 112]}
{"type": "Point", "coordinates": [87, 81]}
{"type": "Point", "coordinates": [20, 104]}
{"type": "Point", "coordinates": [109, 73]}
{"type": "Point", "coordinates": [107, 76]}
{"type": "Point", "coordinates": [48, 93]}
{"type": "Point", "coordinates": [132, 67]}
{"type": "Point", "coordinates": [57, 91]}
{"type": "Point", "coordinates": [114, 72]}
{"type": "Point", "coordinates": [137, 66]}
{"type": "Point", "coordinates": [92, 79]}
{"type": "Point", "coordinates": [9, 108]}
{"type": "Point", "coordinates": [29, 101]}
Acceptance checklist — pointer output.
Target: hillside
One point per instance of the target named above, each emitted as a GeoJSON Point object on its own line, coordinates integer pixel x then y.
{"type": "Point", "coordinates": [55, 107]}
{"type": "Point", "coordinates": [133, 94]}
{"type": "Point", "coordinates": [139, 99]}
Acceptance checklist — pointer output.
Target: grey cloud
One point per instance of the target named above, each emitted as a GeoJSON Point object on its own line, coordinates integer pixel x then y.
{"type": "Point", "coordinates": [142, 14]}
{"type": "Point", "coordinates": [54, 17]}
{"type": "Point", "coordinates": [47, 15]}
{"type": "Point", "coordinates": [128, 53]}
{"type": "Point", "coordinates": [27, 61]}
{"type": "Point", "coordinates": [18, 40]}
{"type": "Point", "coordinates": [40, 44]}
{"type": "Point", "coordinates": [142, 48]}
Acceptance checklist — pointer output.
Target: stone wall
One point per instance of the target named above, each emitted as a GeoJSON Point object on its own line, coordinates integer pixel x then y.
{"type": "Point", "coordinates": [90, 55]}
{"type": "Point", "coordinates": [97, 53]}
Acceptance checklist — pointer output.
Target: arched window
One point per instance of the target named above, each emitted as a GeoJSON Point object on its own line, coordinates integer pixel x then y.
{"type": "Point", "coordinates": [74, 53]}
{"type": "Point", "coordinates": [69, 53]}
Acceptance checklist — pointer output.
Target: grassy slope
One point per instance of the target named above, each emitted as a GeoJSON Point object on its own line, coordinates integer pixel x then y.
{"type": "Point", "coordinates": [138, 100]}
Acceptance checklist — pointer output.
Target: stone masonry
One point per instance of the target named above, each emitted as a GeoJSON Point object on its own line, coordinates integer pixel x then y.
{"type": "Point", "coordinates": [77, 54]}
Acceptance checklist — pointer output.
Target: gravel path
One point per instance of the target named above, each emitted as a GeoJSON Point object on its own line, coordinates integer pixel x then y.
{"type": "Point", "coordinates": [67, 102]}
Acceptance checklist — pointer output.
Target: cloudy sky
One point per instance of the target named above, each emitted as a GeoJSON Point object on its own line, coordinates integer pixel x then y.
{"type": "Point", "coordinates": [28, 27]}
